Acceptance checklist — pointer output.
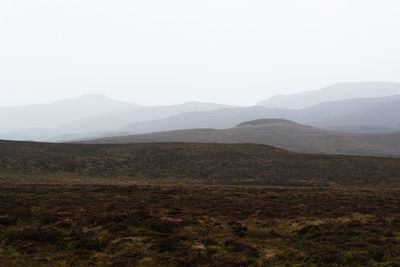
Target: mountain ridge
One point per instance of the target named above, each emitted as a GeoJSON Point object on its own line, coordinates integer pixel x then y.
{"type": "Point", "coordinates": [335, 92]}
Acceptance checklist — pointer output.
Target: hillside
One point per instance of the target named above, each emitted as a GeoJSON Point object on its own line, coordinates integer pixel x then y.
{"type": "Point", "coordinates": [105, 121]}
{"type": "Point", "coordinates": [58, 113]}
{"type": "Point", "coordinates": [94, 116]}
{"type": "Point", "coordinates": [336, 92]}
{"type": "Point", "coordinates": [216, 119]}
{"type": "Point", "coordinates": [115, 121]}
{"type": "Point", "coordinates": [189, 163]}
{"type": "Point", "coordinates": [352, 115]}
{"type": "Point", "coordinates": [280, 133]}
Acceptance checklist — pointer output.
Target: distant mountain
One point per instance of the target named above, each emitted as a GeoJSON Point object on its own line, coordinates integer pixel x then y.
{"type": "Point", "coordinates": [94, 116]}
{"type": "Point", "coordinates": [115, 121]}
{"type": "Point", "coordinates": [280, 133]}
{"type": "Point", "coordinates": [380, 113]}
{"type": "Point", "coordinates": [101, 124]}
{"type": "Point", "coordinates": [340, 91]}
{"type": "Point", "coordinates": [353, 115]}
{"type": "Point", "coordinates": [59, 113]}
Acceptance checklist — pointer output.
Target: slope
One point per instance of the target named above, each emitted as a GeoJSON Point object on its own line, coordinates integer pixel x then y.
{"type": "Point", "coordinates": [353, 115]}
{"type": "Point", "coordinates": [280, 133]}
{"type": "Point", "coordinates": [107, 121]}
{"type": "Point", "coordinates": [60, 112]}
{"type": "Point", "coordinates": [189, 164]}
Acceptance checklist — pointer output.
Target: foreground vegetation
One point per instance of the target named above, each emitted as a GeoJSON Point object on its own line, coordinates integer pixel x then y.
{"type": "Point", "coordinates": [190, 164]}
{"type": "Point", "coordinates": [59, 225]}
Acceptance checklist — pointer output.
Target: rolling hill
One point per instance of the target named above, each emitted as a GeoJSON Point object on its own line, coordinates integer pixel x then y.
{"type": "Point", "coordinates": [104, 122]}
{"type": "Point", "coordinates": [189, 164]}
{"type": "Point", "coordinates": [58, 113]}
{"type": "Point", "coordinates": [280, 133]}
{"type": "Point", "coordinates": [94, 116]}
{"type": "Point", "coordinates": [217, 119]}
{"type": "Point", "coordinates": [352, 115]}
{"type": "Point", "coordinates": [336, 92]}
{"type": "Point", "coordinates": [115, 121]}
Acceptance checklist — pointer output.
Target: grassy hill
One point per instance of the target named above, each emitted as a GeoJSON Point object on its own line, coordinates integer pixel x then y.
{"type": "Point", "coordinates": [190, 163]}
{"type": "Point", "coordinates": [280, 133]}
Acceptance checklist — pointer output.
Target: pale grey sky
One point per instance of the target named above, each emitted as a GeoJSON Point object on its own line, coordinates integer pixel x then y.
{"type": "Point", "coordinates": [171, 51]}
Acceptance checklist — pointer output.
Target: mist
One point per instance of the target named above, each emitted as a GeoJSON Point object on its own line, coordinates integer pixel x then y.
{"type": "Point", "coordinates": [168, 52]}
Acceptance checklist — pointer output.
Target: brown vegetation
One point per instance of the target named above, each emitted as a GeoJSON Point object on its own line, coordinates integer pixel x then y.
{"type": "Point", "coordinates": [44, 225]}
{"type": "Point", "coordinates": [279, 133]}
{"type": "Point", "coordinates": [190, 164]}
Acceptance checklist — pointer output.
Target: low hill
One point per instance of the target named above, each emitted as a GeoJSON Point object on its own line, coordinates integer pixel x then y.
{"type": "Point", "coordinates": [190, 163]}
{"type": "Point", "coordinates": [216, 119]}
{"type": "Point", "coordinates": [280, 133]}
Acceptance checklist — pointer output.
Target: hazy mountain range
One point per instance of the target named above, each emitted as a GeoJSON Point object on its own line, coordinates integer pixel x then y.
{"type": "Point", "coordinates": [355, 115]}
{"type": "Point", "coordinates": [347, 107]}
{"type": "Point", "coordinates": [59, 113]}
{"type": "Point", "coordinates": [112, 118]}
{"type": "Point", "coordinates": [339, 91]}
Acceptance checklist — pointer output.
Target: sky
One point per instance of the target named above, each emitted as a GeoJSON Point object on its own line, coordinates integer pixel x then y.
{"type": "Point", "coordinates": [166, 52]}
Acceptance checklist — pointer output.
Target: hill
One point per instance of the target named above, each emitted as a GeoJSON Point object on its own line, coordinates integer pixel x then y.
{"type": "Point", "coordinates": [115, 121]}
{"type": "Point", "coordinates": [58, 113]}
{"type": "Point", "coordinates": [216, 119]}
{"type": "Point", "coordinates": [380, 113]}
{"type": "Point", "coordinates": [189, 163]}
{"type": "Point", "coordinates": [336, 92]}
{"type": "Point", "coordinates": [105, 121]}
{"type": "Point", "coordinates": [280, 133]}
{"type": "Point", "coordinates": [352, 115]}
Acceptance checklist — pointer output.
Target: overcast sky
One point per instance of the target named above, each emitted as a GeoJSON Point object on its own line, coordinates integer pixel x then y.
{"type": "Point", "coordinates": [171, 51]}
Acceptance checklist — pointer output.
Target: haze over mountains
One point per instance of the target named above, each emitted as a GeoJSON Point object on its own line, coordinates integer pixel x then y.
{"type": "Point", "coordinates": [111, 115]}
{"type": "Point", "coordinates": [339, 91]}
{"type": "Point", "coordinates": [346, 107]}
{"type": "Point", "coordinates": [60, 112]}
{"type": "Point", "coordinates": [355, 115]}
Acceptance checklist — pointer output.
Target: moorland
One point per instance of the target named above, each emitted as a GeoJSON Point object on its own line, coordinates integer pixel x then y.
{"type": "Point", "coordinates": [93, 225]}
{"type": "Point", "coordinates": [191, 204]}
{"type": "Point", "coordinates": [190, 164]}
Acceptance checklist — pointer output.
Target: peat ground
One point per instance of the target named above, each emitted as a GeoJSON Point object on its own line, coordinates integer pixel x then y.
{"type": "Point", "coordinates": [86, 225]}
{"type": "Point", "coordinates": [190, 164]}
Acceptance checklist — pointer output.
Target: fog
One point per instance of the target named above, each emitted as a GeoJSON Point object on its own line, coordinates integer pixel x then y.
{"type": "Point", "coordinates": [166, 52]}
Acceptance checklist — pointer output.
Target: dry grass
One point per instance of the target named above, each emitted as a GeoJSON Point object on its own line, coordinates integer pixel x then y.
{"type": "Point", "coordinates": [190, 164]}
{"type": "Point", "coordinates": [48, 225]}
